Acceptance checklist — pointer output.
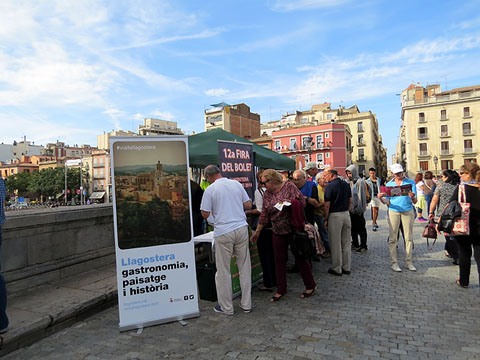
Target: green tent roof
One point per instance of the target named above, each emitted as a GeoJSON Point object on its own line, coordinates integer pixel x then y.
{"type": "Point", "coordinates": [203, 150]}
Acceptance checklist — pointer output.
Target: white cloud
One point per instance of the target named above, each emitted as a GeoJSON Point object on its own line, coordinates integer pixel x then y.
{"type": "Point", "coordinates": [294, 5]}
{"type": "Point", "coordinates": [163, 115]}
{"type": "Point", "coordinates": [216, 92]}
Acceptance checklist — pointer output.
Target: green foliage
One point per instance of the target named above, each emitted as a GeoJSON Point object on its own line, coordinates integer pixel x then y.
{"type": "Point", "coordinates": [19, 182]}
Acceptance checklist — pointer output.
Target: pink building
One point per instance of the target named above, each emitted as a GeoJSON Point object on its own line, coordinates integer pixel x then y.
{"type": "Point", "coordinates": [329, 145]}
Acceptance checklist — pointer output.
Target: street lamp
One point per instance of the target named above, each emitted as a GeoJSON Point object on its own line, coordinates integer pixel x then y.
{"type": "Point", "coordinates": [435, 161]}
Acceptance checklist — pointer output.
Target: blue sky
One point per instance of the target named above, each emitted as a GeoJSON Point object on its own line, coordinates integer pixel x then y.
{"type": "Point", "coordinates": [70, 70]}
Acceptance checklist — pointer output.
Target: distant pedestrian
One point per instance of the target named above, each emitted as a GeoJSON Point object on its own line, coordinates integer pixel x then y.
{"type": "Point", "coordinates": [3, 288]}
{"type": "Point", "coordinates": [421, 203]}
{"type": "Point", "coordinates": [359, 192]}
{"type": "Point", "coordinates": [374, 182]}
{"type": "Point", "coordinates": [312, 170]}
{"type": "Point", "coordinates": [428, 187]}
{"type": "Point", "coordinates": [320, 213]}
{"type": "Point", "coordinates": [226, 200]}
{"type": "Point", "coordinates": [338, 201]}
{"type": "Point", "coordinates": [401, 210]}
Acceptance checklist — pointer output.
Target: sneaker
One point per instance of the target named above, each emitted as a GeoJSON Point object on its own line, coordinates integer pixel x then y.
{"type": "Point", "coordinates": [374, 227]}
{"type": "Point", "coordinates": [246, 311]}
{"type": "Point", "coordinates": [412, 268]}
{"type": "Point", "coordinates": [355, 247]}
{"type": "Point", "coordinates": [396, 268]}
{"type": "Point", "coordinates": [333, 272]}
{"type": "Point", "coordinates": [4, 330]}
{"type": "Point", "coordinates": [218, 309]}
{"type": "Point", "coordinates": [422, 219]}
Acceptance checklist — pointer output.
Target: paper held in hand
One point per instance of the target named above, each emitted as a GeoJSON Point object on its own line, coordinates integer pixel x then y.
{"type": "Point", "coordinates": [391, 191]}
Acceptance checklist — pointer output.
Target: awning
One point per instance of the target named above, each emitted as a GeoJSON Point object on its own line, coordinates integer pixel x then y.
{"type": "Point", "coordinates": [97, 195]}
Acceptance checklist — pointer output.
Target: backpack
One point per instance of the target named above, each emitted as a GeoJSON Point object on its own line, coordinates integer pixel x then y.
{"type": "Point", "coordinates": [450, 213]}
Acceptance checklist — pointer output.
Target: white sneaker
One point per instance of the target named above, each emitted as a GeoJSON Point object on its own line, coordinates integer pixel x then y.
{"type": "Point", "coordinates": [412, 268]}
{"type": "Point", "coordinates": [396, 268]}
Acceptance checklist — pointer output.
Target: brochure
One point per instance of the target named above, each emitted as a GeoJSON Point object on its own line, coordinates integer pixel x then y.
{"type": "Point", "coordinates": [391, 191]}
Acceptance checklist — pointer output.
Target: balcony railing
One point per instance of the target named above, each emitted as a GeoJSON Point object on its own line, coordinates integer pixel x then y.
{"type": "Point", "coordinates": [468, 150]}
{"type": "Point", "coordinates": [98, 165]}
{"type": "Point", "coordinates": [445, 152]}
{"type": "Point", "coordinates": [361, 158]}
{"type": "Point", "coordinates": [443, 117]}
{"type": "Point", "coordinates": [467, 115]}
{"type": "Point", "coordinates": [467, 132]}
{"type": "Point", "coordinates": [423, 136]}
{"type": "Point", "coordinates": [423, 153]}
{"type": "Point", "coordinates": [444, 134]}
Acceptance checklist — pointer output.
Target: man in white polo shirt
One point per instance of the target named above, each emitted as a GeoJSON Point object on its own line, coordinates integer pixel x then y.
{"type": "Point", "coordinates": [227, 201]}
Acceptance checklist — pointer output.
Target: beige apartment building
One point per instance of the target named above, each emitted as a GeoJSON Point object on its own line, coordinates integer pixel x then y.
{"type": "Point", "coordinates": [236, 119]}
{"type": "Point", "coordinates": [153, 126]}
{"type": "Point", "coordinates": [366, 141]}
{"type": "Point", "coordinates": [439, 129]}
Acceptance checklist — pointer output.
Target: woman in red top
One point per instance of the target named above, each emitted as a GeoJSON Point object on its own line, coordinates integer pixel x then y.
{"type": "Point", "coordinates": [277, 193]}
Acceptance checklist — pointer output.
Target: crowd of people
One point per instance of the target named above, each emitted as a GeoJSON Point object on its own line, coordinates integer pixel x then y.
{"type": "Point", "coordinates": [334, 205]}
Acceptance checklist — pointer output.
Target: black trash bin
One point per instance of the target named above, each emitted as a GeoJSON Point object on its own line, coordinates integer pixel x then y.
{"type": "Point", "coordinates": [206, 281]}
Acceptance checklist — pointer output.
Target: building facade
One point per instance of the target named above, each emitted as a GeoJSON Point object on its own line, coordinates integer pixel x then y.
{"type": "Point", "coordinates": [439, 129]}
{"type": "Point", "coordinates": [366, 141]}
{"type": "Point", "coordinates": [158, 127]}
{"type": "Point", "coordinates": [236, 119]}
{"type": "Point", "coordinates": [329, 145]}
{"type": "Point", "coordinates": [103, 140]}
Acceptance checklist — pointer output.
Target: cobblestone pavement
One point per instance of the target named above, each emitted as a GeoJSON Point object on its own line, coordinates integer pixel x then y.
{"type": "Point", "coordinates": [372, 313]}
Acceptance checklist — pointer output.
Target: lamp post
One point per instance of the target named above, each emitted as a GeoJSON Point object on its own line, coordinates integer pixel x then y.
{"type": "Point", "coordinates": [435, 161]}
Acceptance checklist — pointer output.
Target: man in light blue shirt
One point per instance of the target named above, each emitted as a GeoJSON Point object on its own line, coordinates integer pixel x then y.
{"type": "Point", "coordinates": [400, 211]}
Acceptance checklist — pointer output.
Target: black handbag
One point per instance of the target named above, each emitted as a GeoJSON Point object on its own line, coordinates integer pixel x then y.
{"type": "Point", "coordinates": [302, 245]}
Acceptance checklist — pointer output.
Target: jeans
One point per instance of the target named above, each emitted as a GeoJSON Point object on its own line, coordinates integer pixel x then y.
{"type": "Point", "coordinates": [3, 293]}
{"type": "Point", "coordinates": [428, 199]}
{"type": "Point", "coordinates": [322, 230]}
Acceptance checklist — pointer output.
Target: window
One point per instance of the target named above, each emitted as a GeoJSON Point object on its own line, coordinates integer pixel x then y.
{"type": "Point", "coordinates": [277, 145]}
{"type": "Point", "coordinates": [361, 170]}
{"type": "Point", "coordinates": [329, 116]}
{"type": "Point", "coordinates": [423, 149]}
{"type": "Point", "coordinates": [445, 146]}
{"type": "Point", "coordinates": [467, 128]}
{"type": "Point", "coordinates": [307, 158]}
{"type": "Point", "coordinates": [447, 164]}
{"type": "Point", "coordinates": [360, 139]}
{"type": "Point", "coordinates": [467, 146]}
{"type": "Point", "coordinates": [320, 157]}
{"type": "Point", "coordinates": [304, 121]}
{"type": "Point", "coordinates": [360, 126]}
{"type": "Point", "coordinates": [423, 165]}
{"type": "Point", "coordinates": [327, 135]}
{"type": "Point", "coordinates": [319, 141]}
{"type": "Point", "coordinates": [361, 154]}
{"type": "Point", "coordinates": [470, 160]}
{"type": "Point", "coordinates": [327, 155]}
{"type": "Point", "coordinates": [444, 130]}
{"type": "Point", "coordinates": [307, 142]}
{"type": "Point", "coordinates": [293, 144]}
{"type": "Point", "coordinates": [95, 161]}
{"type": "Point", "coordinates": [443, 114]}
{"type": "Point", "coordinates": [466, 112]}
{"type": "Point", "coordinates": [421, 117]}
{"type": "Point", "coordinates": [422, 133]}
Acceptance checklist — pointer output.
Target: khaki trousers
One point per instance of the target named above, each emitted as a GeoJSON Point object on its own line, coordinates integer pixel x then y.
{"type": "Point", "coordinates": [407, 218]}
{"type": "Point", "coordinates": [235, 242]}
{"type": "Point", "coordinates": [339, 237]}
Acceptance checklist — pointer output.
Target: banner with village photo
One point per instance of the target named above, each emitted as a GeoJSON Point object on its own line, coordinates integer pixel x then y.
{"type": "Point", "coordinates": [153, 230]}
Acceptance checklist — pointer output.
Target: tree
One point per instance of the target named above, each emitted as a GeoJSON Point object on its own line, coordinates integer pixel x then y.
{"type": "Point", "coordinates": [18, 183]}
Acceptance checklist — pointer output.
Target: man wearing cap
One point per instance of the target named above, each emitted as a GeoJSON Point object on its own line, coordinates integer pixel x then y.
{"type": "Point", "coordinates": [311, 170]}
{"type": "Point", "coordinates": [401, 210]}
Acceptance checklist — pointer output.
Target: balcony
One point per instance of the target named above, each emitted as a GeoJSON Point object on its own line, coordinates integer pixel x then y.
{"type": "Point", "coordinates": [423, 154]}
{"type": "Point", "coordinates": [421, 119]}
{"type": "Point", "coordinates": [469, 151]}
{"type": "Point", "coordinates": [360, 129]}
{"type": "Point", "coordinates": [467, 132]}
{"type": "Point", "coordinates": [444, 134]}
{"type": "Point", "coordinates": [361, 158]}
{"type": "Point", "coordinates": [98, 165]}
{"type": "Point", "coordinates": [422, 136]}
{"type": "Point", "coordinates": [445, 152]}
{"type": "Point", "coordinates": [98, 177]}
{"type": "Point", "coordinates": [443, 118]}
{"type": "Point", "coordinates": [467, 115]}
{"type": "Point", "coordinates": [361, 143]}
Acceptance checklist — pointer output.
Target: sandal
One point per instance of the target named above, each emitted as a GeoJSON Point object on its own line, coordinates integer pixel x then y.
{"type": "Point", "coordinates": [276, 297]}
{"type": "Point", "coordinates": [308, 294]}
{"type": "Point", "coordinates": [264, 288]}
{"type": "Point", "coordinates": [463, 286]}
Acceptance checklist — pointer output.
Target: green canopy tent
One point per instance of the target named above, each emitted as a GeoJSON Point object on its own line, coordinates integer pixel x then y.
{"type": "Point", "coordinates": [203, 150]}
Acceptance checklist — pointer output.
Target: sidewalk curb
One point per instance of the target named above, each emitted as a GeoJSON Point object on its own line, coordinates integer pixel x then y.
{"type": "Point", "coordinates": [49, 324]}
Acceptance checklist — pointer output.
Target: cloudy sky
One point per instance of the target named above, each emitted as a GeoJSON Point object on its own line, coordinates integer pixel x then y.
{"type": "Point", "coordinates": [70, 69]}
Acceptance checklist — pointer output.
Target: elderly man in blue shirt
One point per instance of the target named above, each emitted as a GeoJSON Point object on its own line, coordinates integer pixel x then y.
{"type": "Point", "coordinates": [400, 210]}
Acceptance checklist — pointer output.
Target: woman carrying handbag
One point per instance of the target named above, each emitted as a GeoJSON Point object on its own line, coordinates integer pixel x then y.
{"type": "Point", "coordinates": [470, 176]}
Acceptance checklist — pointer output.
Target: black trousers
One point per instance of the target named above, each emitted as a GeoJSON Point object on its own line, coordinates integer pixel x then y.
{"type": "Point", "coordinates": [465, 244]}
{"type": "Point", "coordinates": [358, 229]}
{"type": "Point", "coordinates": [267, 259]}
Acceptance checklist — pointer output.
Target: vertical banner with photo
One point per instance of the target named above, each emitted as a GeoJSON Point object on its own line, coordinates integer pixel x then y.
{"type": "Point", "coordinates": [156, 275]}
{"type": "Point", "coordinates": [236, 162]}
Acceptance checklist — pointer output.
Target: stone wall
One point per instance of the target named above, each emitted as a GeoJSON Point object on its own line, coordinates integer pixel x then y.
{"type": "Point", "coordinates": [45, 245]}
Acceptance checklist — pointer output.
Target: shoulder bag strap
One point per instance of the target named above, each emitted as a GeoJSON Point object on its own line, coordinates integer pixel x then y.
{"type": "Point", "coordinates": [461, 193]}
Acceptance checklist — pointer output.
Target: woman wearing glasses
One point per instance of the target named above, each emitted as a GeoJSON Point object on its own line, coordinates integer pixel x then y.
{"type": "Point", "coordinates": [276, 210]}
{"type": "Point", "coordinates": [470, 176]}
{"type": "Point", "coordinates": [449, 181]}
